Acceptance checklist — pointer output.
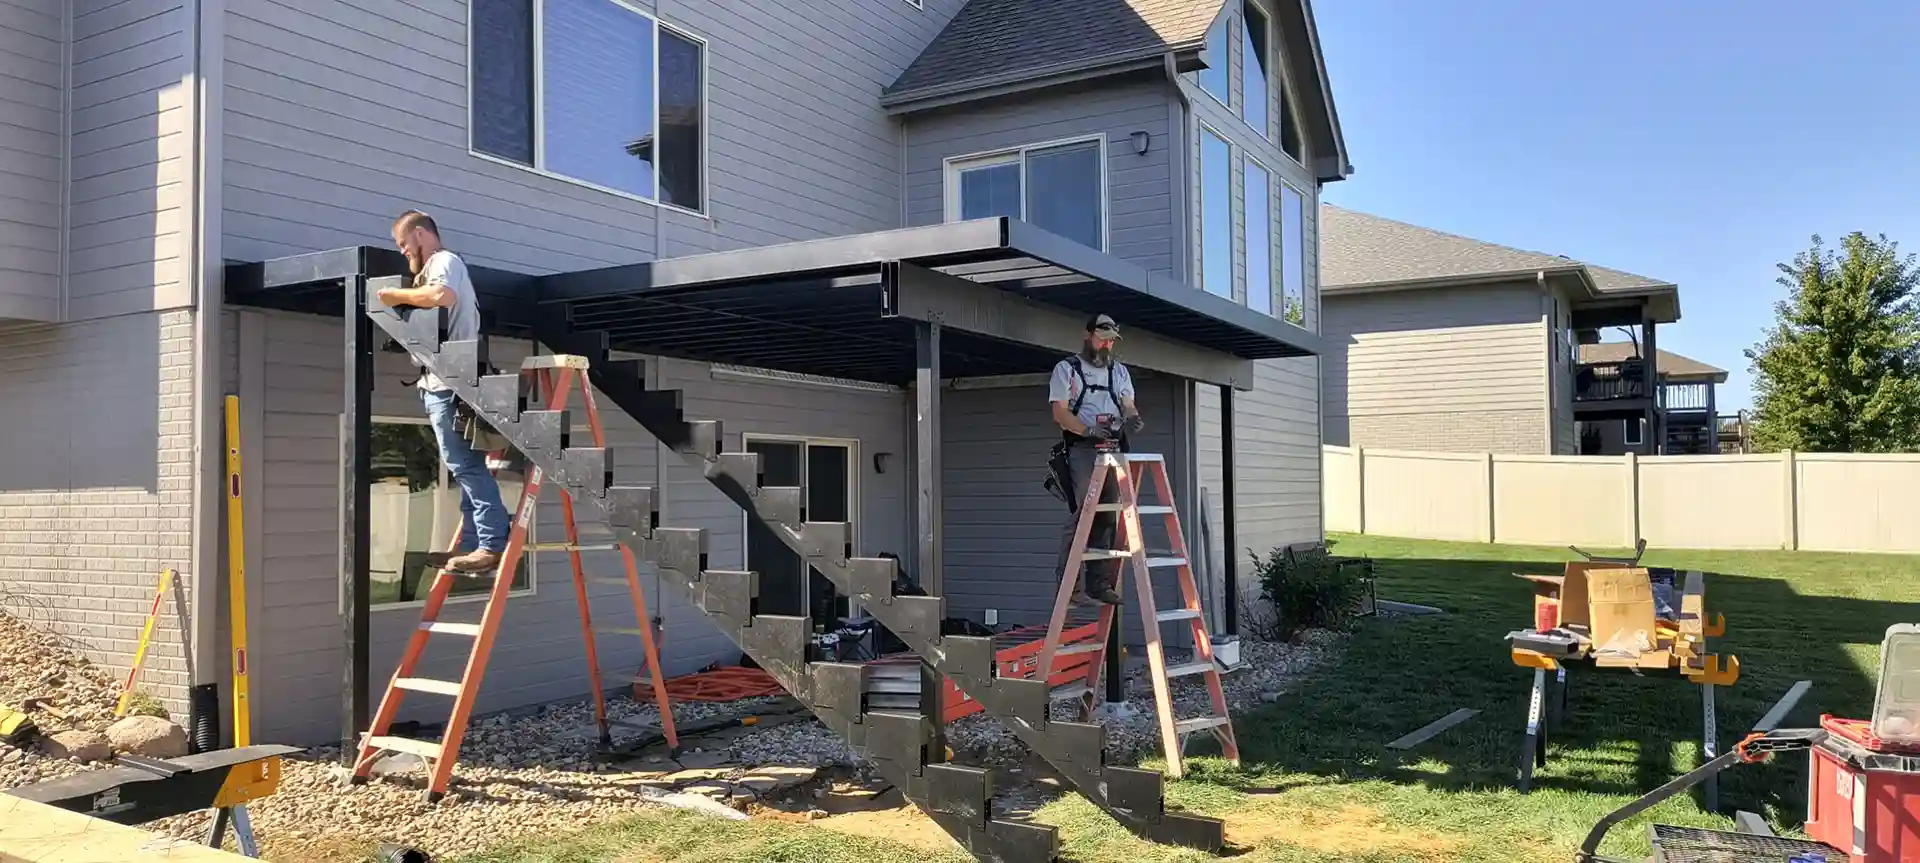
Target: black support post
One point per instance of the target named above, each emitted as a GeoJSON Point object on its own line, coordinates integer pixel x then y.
{"type": "Point", "coordinates": [355, 445]}
{"type": "Point", "coordinates": [1230, 547]}
{"type": "Point", "coordinates": [927, 509]}
{"type": "Point", "coordinates": [1656, 436]}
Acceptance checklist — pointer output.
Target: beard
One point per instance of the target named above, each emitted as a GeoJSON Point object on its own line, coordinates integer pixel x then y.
{"type": "Point", "coordinates": [1098, 357]}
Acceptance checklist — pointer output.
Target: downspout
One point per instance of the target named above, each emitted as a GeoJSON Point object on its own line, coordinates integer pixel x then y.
{"type": "Point", "coordinates": [203, 659]}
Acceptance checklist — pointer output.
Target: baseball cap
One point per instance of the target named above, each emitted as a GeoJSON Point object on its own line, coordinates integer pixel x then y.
{"type": "Point", "coordinates": [1104, 327]}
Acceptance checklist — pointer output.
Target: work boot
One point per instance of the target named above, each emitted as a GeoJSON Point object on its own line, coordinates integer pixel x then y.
{"type": "Point", "coordinates": [438, 559]}
{"type": "Point", "coordinates": [1103, 592]}
{"type": "Point", "coordinates": [481, 560]}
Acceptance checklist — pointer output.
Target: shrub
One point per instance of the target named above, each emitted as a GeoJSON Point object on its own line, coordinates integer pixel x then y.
{"type": "Point", "coordinates": [1307, 589]}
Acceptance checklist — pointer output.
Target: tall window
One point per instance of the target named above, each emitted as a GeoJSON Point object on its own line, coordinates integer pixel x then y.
{"type": "Point", "coordinates": [1293, 255]}
{"type": "Point", "coordinates": [1217, 78]}
{"type": "Point", "coordinates": [591, 90]}
{"type": "Point", "coordinates": [1216, 214]}
{"type": "Point", "coordinates": [1255, 54]}
{"type": "Point", "coordinates": [1257, 197]}
{"type": "Point", "coordinates": [414, 509]}
{"type": "Point", "coordinates": [1059, 188]}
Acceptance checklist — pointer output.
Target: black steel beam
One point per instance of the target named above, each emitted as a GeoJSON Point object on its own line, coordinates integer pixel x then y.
{"type": "Point", "coordinates": [1229, 518]}
{"type": "Point", "coordinates": [929, 515]}
{"type": "Point", "coordinates": [355, 528]}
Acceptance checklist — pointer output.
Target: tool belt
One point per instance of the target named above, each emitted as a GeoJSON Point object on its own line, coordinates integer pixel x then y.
{"type": "Point", "coordinates": [479, 434]}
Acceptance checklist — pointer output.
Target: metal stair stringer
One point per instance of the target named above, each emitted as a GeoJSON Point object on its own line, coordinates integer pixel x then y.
{"type": "Point", "coordinates": [896, 742]}
{"type": "Point", "coordinates": [1134, 797]}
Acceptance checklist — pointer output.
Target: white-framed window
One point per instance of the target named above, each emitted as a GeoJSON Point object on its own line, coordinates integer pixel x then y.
{"type": "Point", "coordinates": [1256, 60]}
{"type": "Point", "coordinates": [596, 92]}
{"type": "Point", "coordinates": [1216, 213]}
{"type": "Point", "coordinates": [1293, 255]}
{"type": "Point", "coordinates": [1636, 431]}
{"type": "Point", "coordinates": [414, 509]}
{"type": "Point", "coordinates": [1257, 198]}
{"type": "Point", "coordinates": [1057, 186]}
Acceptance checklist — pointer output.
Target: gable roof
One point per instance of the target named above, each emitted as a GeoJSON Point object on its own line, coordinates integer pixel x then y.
{"type": "Point", "coordinates": [1671, 364]}
{"type": "Point", "coordinates": [1002, 37]}
{"type": "Point", "coordinates": [1361, 251]}
{"type": "Point", "coordinates": [1008, 44]}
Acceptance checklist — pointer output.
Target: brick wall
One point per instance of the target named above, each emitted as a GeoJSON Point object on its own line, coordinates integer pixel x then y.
{"type": "Point", "coordinates": [1507, 432]}
{"type": "Point", "coordinates": [96, 486]}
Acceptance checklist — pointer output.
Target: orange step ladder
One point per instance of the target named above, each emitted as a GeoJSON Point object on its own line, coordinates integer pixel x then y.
{"type": "Point", "coordinates": [1113, 466]}
{"type": "Point", "coordinates": [555, 375]}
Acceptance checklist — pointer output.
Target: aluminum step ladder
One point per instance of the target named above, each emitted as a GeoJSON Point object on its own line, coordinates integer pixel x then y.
{"type": "Point", "coordinates": [555, 375]}
{"type": "Point", "coordinates": [1113, 466]}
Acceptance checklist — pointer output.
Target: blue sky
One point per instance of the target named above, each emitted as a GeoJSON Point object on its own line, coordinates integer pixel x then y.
{"type": "Point", "coordinates": [1699, 142]}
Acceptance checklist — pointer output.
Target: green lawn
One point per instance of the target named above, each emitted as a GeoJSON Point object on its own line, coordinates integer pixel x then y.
{"type": "Point", "coordinates": [1317, 782]}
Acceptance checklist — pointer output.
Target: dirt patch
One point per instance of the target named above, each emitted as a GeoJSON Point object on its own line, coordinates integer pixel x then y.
{"type": "Point", "coordinates": [1347, 830]}
{"type": "Point", "coordinates": [869, 809]}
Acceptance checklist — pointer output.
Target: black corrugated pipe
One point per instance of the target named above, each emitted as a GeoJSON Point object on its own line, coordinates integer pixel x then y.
{"type": "Point", "coordinates": [203, 717]}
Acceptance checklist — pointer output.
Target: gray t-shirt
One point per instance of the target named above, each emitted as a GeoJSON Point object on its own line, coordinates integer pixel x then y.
{"type": "Point", "coordinates": [463, 318]}
{"type": "Point", "coordinates": [1065, 387]}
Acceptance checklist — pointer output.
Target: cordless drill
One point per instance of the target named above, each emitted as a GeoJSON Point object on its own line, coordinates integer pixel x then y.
{"type": "Point", "coordinates": [1111, 423]}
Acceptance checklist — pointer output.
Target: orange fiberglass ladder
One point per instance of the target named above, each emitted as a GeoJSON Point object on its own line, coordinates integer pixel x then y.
{"type": "Point", "coordinates": [555, 376]}
{"type": "Point", "coordinates": [1111, 465]}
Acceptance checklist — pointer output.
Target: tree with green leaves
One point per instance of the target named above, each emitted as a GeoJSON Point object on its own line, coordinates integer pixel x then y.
{"type": "Point", "coordinates": [1840, 369]}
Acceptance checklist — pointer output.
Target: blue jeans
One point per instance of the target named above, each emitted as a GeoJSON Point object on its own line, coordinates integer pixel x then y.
{"type": "Point", "coordinates": [483, 517]}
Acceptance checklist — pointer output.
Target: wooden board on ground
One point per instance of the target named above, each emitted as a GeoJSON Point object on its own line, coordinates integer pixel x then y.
{"type": "Point", "coordinates": [33, 832]}
{"type": "Point", "coordinates": [1432, 729]}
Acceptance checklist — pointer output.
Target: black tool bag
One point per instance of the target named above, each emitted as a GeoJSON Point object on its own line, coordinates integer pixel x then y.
{"type": "Point", "coordinates": [1059, 479]}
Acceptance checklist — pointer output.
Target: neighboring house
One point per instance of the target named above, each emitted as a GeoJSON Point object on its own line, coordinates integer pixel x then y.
{"type": "Point", "coordinates": [1444, 343]}
{"type": "Point", "coordinates": [1686, 398]}
{"type": "Point", "coordinates": [177, 171]}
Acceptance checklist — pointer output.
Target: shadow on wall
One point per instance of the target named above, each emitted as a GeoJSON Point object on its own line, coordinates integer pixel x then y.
{"type": "Point", "coordinates": [1625, 735]}
{"type": "Point", "coordinates": [83, 407]}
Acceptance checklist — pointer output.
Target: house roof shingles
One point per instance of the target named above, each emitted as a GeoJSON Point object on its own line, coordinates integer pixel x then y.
{"type": "Point", "coordinates": [1006, 37]}
{"type": "Point", "coordinates": [1359, 249]}
{"type": "Point", "coordinates": [1671, 364]}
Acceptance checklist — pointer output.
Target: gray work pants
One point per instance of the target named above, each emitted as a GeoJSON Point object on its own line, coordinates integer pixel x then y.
{"type": "Point", "coordinates": [1097, 573]}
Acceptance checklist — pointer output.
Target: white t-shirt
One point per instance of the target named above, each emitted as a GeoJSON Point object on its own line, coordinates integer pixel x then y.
{"type": "Point", "coordinates": [463, 317]}
{"type": "Point", "coordinates": [1065, 387]}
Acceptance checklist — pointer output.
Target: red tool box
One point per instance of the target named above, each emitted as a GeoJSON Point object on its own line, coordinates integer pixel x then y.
{"type": "Point", "coordinates": [1863, 794]}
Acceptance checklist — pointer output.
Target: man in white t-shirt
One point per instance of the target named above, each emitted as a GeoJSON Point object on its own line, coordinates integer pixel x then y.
{"type": "Point", "coordinates": [1092, 398]}
{"type": "Point", "coordinates": [441, 282]}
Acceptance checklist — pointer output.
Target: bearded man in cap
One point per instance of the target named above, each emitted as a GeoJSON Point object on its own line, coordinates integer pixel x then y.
{"type": "Point", "coordinates": [1092, 399]}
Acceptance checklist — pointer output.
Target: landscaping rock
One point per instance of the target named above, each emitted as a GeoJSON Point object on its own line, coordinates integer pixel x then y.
{"type": "Point", "coordinates": [150, 736]}
{"type": "Point", "coordinates": [81, 746]}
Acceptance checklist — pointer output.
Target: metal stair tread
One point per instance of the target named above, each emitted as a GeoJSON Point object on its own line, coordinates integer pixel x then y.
{"type": "Point", "coordinates": [1176, 614]}
{"type": "Point", "coordinates": [1166, 561]}
{"type": "Point", "coordinates": [422, 748]}
{"type": "Point", "coordinates": [427, 684]}
{"type": "Point", "coordinates": [1198, 723]}
{"type": "Point", "coordinates": [1187, 668]}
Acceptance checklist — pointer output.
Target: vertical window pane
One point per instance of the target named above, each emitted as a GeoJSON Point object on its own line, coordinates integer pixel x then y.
{"type": "Point", "coordinates": [414, 510]}
{"type": "Point", "coordinates": [991, 191]}
{"type": "Point", "coordinates": [1216, 215]}
{"type": "Point", "coordinates": [1063, 192]}
{"type": "Point", "coordinates": [1293, 261]}
{"type": "Point", "coordinates": [597, 86]}
{"type": "Point", "coordinates": [1253, 67]}
{"type": "Point", "coordinates": [681, 116]}
{"type": "Point", "coordinates": [1259, 239]}
{"type": "Point", "coordinates": [1289, 130]}
{"type": "Point", "coordinates": [502, 81]}
{"type": "Point", "coordinates": [1217, 77]}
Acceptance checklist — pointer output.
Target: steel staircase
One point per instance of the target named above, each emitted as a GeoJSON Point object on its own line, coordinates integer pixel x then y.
{"type": "Point", "coordinates": [895, 741]}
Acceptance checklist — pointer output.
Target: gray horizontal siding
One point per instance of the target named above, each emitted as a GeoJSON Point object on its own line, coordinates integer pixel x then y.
{"type": "Point", "coordinates": [1002, 529]}
{"type": "Point", "coordinates": [798, 146]}
{"type": "Point", "coordinates": [1139, 191]}
{"type": "Point", "coordinates": [130, 157]}
{"type": "Point", "coordinates": [33, 44]}
{"type": "Point", "coordinates": [538, 656]}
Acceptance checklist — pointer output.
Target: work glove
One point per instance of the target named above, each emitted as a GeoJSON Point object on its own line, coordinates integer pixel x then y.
{"type": "Point", "coordinates": [1098, 432]}
{"type": "Point", "coordinates": [1135, 423]}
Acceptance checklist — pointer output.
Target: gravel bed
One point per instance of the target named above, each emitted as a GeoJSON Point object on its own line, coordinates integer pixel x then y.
{"type": "Point", "coordinates": [34, 664]}
{"type": "Point", "coordinates": [1267, 670]}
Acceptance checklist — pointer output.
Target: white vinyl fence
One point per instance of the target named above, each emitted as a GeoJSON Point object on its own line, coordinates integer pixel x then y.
{"type": "Point", "coordinates": [1809, 501]}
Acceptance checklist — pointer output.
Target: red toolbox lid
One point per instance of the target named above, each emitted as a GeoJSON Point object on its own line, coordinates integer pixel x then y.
{"type": "Point", "coordinates": [1859, 732]}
